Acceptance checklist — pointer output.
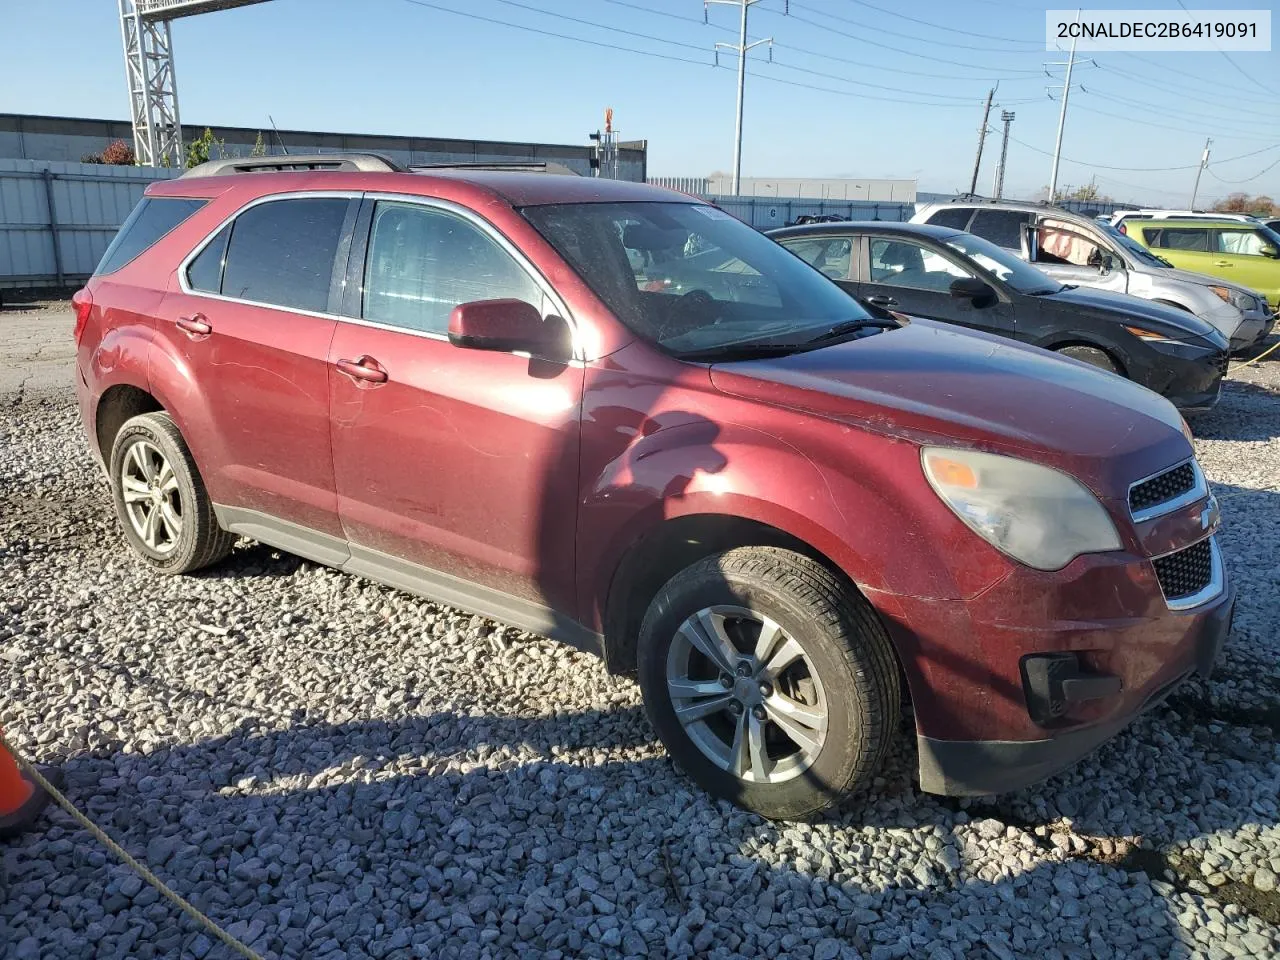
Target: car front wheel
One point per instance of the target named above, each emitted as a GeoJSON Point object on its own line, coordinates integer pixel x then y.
{"type": "Point", "coordinates": [770, 681]}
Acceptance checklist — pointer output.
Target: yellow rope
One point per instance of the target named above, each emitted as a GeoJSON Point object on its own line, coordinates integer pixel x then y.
{"type": "Point", "coordinates": [1261, 355]}
{"type": "Point", "coordinates": [124, 856]}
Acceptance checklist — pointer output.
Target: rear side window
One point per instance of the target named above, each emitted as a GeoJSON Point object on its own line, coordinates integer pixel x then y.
{"type": "Point", "coordinates": [1244, 241]}
{"type": "Point", "coordinates": [831, 255]}
{"type": "Point", "coordinates": [1178, 238]}
{"type": "Point", "coordinates": [151, 219]}
{"type": "Point", "coordinates": [955, 217]}
{"type": "Point", "coordinates": [1001, 227]}
{"type": "Point", "coordinates": [282, 252]}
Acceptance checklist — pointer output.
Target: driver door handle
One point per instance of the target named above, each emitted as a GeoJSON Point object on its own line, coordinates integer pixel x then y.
{"type": "Point", "coordinates": [365, 368]}
{"type": "Point", "coordinates": [195, 326]}
{"type": "Point", "coordinates": [1222, 263]}
{"type": "Point", "coordinates": [882, 300]}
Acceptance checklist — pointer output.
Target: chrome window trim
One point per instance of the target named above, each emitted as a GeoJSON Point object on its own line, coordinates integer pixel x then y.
{"type": "Point", "coordinates": [1198, 491]}
{"type": "Point", "coordinates": [1212, 590]}
{"type": "Point", "coordinates": [448, 206]}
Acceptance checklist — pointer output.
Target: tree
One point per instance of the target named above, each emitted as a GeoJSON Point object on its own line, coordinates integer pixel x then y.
{"type": "Point", "coordinates": [120, 153]}
{"type": "Point", "coordinates": [1261, 205]}
{"type": "Point", "coordinates": [202, 148]}
{"type": "Point", "coordinates": [259, 148]}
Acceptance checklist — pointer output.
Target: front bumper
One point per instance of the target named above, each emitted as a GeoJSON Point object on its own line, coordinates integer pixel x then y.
{"type": "Point", "coordinates": [981, 767]}
{"type": "Point", "coordinates": [1254, 328]}
{"type": "Point", "coordinates": [1186, 374]}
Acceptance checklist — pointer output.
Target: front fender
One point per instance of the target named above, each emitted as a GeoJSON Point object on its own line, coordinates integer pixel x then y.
{"type": "Point", "coordinates": [859, 499]}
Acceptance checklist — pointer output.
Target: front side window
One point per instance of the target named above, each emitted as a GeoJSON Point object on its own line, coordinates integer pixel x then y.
{"type": "Point", "coordinates": [1055, 245]}
{"type": "Point", "coordinates": [693, 279]}
{"type": "Point", "coordinates": [1246, 241]}
{"type": "Point", "coordinates": [150, 220]}
{"type": "Point", "coordinates": [1003, 265]}
{"type": "Point", "coordinates": [1001, 227]}
{"type": "Point", "coordinates": [901, 263]}
{"type": "Point", "coordinates": [423, 262]}
{"type": "Point", "coordinates": [831, 255]}
{"type": "Point", "coordinates": [1178, 238]}
{"type": "Point", "coordinates": [281, 253]}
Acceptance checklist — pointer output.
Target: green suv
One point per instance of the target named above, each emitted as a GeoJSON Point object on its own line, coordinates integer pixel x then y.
{"type": "Point", "coordinates": [1248, 254]}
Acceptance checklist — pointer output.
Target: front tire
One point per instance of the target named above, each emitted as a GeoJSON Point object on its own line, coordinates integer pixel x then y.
{"type": "Point", "coordinates": [771, 682]}
{"type": "Point", "coordinates": [1093, 356]}
{"type": "Point", "coordinates": [161, 500]}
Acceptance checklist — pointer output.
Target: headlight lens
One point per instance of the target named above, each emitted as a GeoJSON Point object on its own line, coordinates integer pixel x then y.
{"type": "Point", "coordinates": [1035, 514]}
{"type": "Point", "coordinates": [1238, 299]}
{"type": "Point", "coordinates": [1149, 335]}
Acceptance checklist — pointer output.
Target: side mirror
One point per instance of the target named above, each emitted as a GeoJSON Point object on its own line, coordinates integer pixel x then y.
{"type": "Point", "coordinates": [1110, 263]}
{"type": "Point", "coordinates": [1271, 252]}
{"type": "Point", "coordinates": [971, 288]}
{"type": "Point", "coordinates": [509, 326]}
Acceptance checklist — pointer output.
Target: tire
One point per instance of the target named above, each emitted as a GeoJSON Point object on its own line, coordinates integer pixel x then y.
{"type": "Point", "coordinates": [186, 535]}
{"type": "Point", "coordinates": [1093, 356]}
{"type": "Point", "coordinates": [846, 676]}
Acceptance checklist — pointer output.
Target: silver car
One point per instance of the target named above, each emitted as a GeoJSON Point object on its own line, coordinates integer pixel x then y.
{"type": "Point", "coordinates": [1076, 249]}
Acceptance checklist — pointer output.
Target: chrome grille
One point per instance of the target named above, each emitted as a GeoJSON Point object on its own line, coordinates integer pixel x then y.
{"type": "Point", "coordinates": [1187, 572]}
{"type": "Point", "coordinates": [1162, 488]}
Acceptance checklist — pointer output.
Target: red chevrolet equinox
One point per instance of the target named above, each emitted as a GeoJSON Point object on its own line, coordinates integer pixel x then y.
{"type": "Point", "coordinates": [619, 417]}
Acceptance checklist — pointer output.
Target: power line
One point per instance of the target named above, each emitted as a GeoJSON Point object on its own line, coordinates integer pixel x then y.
{"type": "Point", "coordinates": [602, 26]}
{"type": "Point", "coordinates": [1193, 116]}
{"type": "Point", "coordinates": [1239, 69]}
{"type": "Point", "coordinates": [559, 36]}
{"type": "Point", "coordinates": [861, 96]}
{"type": "Point", "coordinates": [1189, 166]}
{"type": "Point", "coordinates": [1130, 75]}
{"type": "Point", "coordinates": [938, 26]}
{"type": "Point", "coordinates": [1236, 94]}
{"type": "Point", "coordinates": [1165, 126]}
{"type": "Point", "coordinates": [906, 36]}
{"type": "Point", "coordinates": [1275, 163]}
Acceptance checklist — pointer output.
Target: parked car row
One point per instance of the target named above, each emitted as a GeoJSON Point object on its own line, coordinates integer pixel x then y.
{"type": "Point", "coordinates": [617, 416]}
{"type": "Point", "coordinates": [1075, 249]}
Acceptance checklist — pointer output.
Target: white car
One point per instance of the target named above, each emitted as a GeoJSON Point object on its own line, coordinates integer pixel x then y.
{"type": "Point", "coordinates": [1120, 216]}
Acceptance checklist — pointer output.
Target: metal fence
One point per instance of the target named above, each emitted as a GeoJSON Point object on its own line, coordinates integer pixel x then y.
{"type": "Point", "coordinates": [764, 213]}
{"type": "Point", "coordinates": [56, 218]}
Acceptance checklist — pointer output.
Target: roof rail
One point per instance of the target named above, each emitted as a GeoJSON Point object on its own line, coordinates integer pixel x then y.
{"type": "Point", "coordinates": [367, 162]}
{"type": "Point", "coordinates": [526, 166]}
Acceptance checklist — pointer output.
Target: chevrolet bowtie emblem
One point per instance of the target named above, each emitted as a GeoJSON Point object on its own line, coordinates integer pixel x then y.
{"type": "Point", "coordinates": [1211, 515]}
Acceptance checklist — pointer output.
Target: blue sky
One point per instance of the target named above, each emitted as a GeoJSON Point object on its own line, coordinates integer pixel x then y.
{"type": "Point", "coordinates": [921, 72]}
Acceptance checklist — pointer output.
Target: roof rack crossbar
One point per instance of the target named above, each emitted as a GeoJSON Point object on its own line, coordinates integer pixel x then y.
{"type": "Point", "coordinates": [366, 162]}
{"type": "Point", "coordinates": [526, 166]}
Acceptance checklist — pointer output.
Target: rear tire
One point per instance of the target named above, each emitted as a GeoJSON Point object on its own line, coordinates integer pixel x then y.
{"type": "Point", "coordinates": [161, 500]}
{"type": "Point", "coordinates": [796, 712]}
{"type": "Point", "coordinates": [1093, 356]}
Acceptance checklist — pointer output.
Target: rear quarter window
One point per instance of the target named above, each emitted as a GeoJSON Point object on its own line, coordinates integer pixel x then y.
{"type": "Point", "coordinates": [151, 219]}
{"type": "Point", "coordinates": [955, 217]}
{"type": "Point", "coordinates": [1001, 227]}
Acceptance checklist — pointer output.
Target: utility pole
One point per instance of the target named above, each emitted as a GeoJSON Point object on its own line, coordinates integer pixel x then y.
{"type": "Point", "coordinates": [1204, 162]}
{"type": "Point", "coordinates": [982, 139]}
{"type": "Point", "coordinates": [1062, 113]}
{"type": "Point", "coordinates": [740, 48]}
{"type": "Point", "coordinates": [997, 190]}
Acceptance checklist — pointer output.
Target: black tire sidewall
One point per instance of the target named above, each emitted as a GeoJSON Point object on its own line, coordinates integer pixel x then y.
{"type": "Point", "coordinates": [146, 428]}
{"type": "Point", "coordinates": [827, 780]}
{"type": "Point", "coordinates": [1094, 356]}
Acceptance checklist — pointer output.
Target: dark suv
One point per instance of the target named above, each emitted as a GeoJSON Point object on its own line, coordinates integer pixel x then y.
{"type": "Point", "coordinates": [617, 416]}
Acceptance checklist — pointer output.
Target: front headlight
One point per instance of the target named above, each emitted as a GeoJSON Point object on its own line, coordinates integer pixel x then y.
{"type": "Point", "coordinates": [1241, 301]}
{"type": "Point", "coordinates": [1037, 515]}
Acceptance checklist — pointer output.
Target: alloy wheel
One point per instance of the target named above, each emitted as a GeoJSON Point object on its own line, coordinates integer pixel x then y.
{"type": "Point", "coordinates": [747, 694]}
{"type": "Point", "coordinates": [151, 498]}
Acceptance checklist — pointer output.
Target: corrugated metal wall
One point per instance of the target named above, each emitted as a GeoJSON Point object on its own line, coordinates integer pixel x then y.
{"type": "Point", "coordinates": [57, 218]}
{"type": "Point", "coordinates": [764, 213]}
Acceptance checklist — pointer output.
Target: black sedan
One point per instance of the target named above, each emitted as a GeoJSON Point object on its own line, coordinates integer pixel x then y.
{"type": "Point", "coordinates": [947, 275]}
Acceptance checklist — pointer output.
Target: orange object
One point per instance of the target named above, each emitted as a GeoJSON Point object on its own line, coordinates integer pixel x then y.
{"type": "Point", "coordinates": [15, 789]}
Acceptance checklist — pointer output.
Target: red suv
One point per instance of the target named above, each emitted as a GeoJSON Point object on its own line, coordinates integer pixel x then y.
{"type": "Point", "coordinates": [617, 416]}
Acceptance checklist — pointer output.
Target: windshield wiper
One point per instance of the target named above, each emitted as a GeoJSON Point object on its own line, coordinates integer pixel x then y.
{"type": "Point", "coordinates": [742, 351]}
{"type": "Point", "coordinates": [849, 326]}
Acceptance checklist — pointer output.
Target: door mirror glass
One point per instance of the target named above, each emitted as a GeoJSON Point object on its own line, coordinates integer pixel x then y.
{"type": "Point", "coordinates": [971, 288]}
{"type": "Point", "coordinates": [509, 326]}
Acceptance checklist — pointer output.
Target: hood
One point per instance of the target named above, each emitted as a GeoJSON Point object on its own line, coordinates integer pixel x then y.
{"type": "Point", "coordinates": [1200, 279]}
{"type": "Point", "coordinates": [932, 383]}
{"type": "Point", "coordinates": [1120, 307]}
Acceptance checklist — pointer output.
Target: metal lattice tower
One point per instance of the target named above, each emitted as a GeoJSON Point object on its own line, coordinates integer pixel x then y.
{"type": "Point", "coordinates": [153, 85]}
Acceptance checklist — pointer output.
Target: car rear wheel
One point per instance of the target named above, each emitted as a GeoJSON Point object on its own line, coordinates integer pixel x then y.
{"type": "Point", "coordinates": [160, 499]}
{"type": "Point", "coordinates": [1091, 355]}
{"type": "Point", "coordinates": [770, 682]}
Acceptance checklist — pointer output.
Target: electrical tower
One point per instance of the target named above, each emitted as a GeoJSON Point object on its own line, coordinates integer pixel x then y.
{"type": "Point", "coordinates": [997, 189]}
{"type": "Point", "coordinates": [148, 64]}
{"type": "Point", "coordinates": [605, 161]}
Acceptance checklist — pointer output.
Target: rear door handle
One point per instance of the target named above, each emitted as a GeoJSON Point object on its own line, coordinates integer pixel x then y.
{"type": "Point", "coordinates": [197, 325]}
{"type": "Point", "coordinates": [1222, 263]}
{"type": "Point", "coordinates": [365, 368]}
{"type": "Point", "coordinates": [881, 300]}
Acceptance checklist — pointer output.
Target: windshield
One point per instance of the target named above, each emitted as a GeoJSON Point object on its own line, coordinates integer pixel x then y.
{"type": "Point", "coordinates": [1016, 273]}
{"type": "Point", "coordinates": [693, 279]}
{"type": "Point", "coordinates": [1134, 248]}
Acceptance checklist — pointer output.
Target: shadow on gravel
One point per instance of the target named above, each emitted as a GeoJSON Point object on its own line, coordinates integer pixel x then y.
{"type": "Point", "coordinates": [1246, 411]}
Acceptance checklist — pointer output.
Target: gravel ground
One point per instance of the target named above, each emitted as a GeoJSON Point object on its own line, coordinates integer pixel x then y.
{"type": "Point", "coordinates": [332, 768]}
